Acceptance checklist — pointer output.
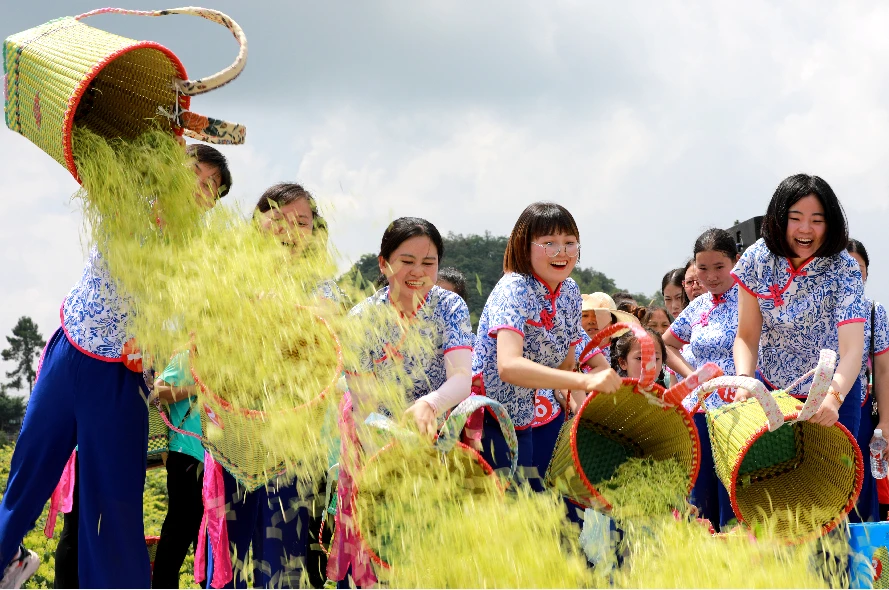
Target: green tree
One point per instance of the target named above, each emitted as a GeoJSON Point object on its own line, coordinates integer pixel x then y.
{"type": "Point", "coordinates": [24, 349]}
{"type": "Point", "coordinates": [12, 410]}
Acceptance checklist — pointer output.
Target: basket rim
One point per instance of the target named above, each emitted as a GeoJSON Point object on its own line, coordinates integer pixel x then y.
{"type": "Point", "coordinates": [636, 390]}
{"type": "Point", "coordinates": [859, 479]}
{"type": "Point", "coordinates": [259, 414]}
{"type": "Point", "coordinates": [486, 467]}
{"type": "Point", "coordinates": [95, 70]}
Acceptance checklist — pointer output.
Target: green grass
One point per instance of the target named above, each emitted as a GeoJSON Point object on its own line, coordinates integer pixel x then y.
{"type": "Point", "coordinates": [154, 507]}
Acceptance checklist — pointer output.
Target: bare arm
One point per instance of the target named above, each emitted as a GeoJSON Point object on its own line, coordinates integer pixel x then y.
{"type": "Point", "coordinates": [746, 348]}
{"type": "Point", "coordinates": [515, 369]}
{"type": "Point", "coordinates": [173, 393]}
{"type": "Point", "coordinates": [674, 356]}
{"type": "Point", "coordinates": [851, 349]}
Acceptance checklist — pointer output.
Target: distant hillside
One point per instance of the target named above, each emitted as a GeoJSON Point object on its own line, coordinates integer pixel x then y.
{"type": "Point", "coordinates": [480, 259]}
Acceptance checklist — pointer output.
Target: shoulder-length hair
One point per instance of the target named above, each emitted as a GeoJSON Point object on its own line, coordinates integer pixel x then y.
{"type": "Point", "coordinates": [791, 190]}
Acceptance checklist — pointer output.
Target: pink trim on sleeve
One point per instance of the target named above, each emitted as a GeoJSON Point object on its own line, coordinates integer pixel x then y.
{"type": "Point", "coordinates": [447, 350]}
{"type": "Point", "coordinates": [576, 342]}
{"type": "Point", "coordinates": [884, 351]}
{"type": "Point", "coordinates": [850, 321]}
{"type": "Point", "coordinates": [670, 330]}
{"type": "Point", "coordinates": [492, 333]}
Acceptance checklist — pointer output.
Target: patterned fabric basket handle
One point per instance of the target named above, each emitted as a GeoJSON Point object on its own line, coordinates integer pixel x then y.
{"type": "Point", "coordinates": [765, 398]}
{"type": "Point", "coordinates": [822, 376]}
{"type": "Point", "coordinates": [453, 426]}
{"type": "Point", "coordinates": [649, 361]}
{"type": "Point", "coordinates": [680, 391]}
{"type": "Point", "coordinates": [194, 125]}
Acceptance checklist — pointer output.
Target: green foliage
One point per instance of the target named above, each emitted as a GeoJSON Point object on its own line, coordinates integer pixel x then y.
{"type": "Point", "coordinates": [12, 410]}
{"type": "Point", "coordinates": [155, 509]}
{"type": "Point", "coordinates": [24, 349]}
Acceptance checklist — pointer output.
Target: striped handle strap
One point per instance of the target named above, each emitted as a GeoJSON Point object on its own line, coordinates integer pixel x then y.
{"type": "Point", "coordinates": [773, 413]}
{"type": "Point", "coordinates": [649, 362]}
{"type": "Point", "coordinates": [680, 391]}
{"type": "Point", "coordinates": [453, 426]}
{"type": "Point", "coordinates": [450, 430]}
{"type": "Point", "coordinates": [157, 404]}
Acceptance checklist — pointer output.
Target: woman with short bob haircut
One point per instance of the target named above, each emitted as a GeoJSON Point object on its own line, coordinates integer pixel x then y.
{"type": "Point", "coordinates": [801, 292]}
{"type": "Point", "coordinates": [529, 330]}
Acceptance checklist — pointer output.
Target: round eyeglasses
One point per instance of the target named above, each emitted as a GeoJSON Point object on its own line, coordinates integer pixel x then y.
{"type": "Point", "coordinates": [552, 249]}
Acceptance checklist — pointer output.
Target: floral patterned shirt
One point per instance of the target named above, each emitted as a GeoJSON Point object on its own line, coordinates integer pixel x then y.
{"type": "Point", "coordinates": [440, 325]}
{"type": "Point", "coordinates": [549, 322]}
{"type": "Point", "coordinates": [802, 309]}
{"type": "Point", "coordinates": [708, 327]}
{"type": "Point", "coordinates": [95, 313]}
{"type": "Point", "coordinates": [881, 339]}
{"type": "Point", "coordinates": [546, 408]}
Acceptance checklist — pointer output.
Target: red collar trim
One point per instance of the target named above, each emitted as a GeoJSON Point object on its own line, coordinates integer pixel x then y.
{"type": "Point", "coordinates": [419, 305]}
{"type": "Point", "coordinates": [551, 294]}
{"type": "Point", "coordinates": [794, 272]}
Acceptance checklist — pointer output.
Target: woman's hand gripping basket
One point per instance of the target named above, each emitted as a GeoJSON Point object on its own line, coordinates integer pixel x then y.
{"type": "Point", "coordinates": [455, 469]}
{"type": "Point", "coordinates": [641, 419]}
{"type": "Point", "coordinates": [796, 478]}
{"type": "Point", "coordinates": [65, 73]}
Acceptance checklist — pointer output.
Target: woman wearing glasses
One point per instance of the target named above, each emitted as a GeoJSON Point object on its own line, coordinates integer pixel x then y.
{"type": "Point", "coordinates": [529, 329]}
{"type": "Point", "coordinates": [690, 282]}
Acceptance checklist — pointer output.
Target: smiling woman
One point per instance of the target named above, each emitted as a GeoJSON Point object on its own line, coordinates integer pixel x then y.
{"type": "Point", "coordinates": [802, 292]}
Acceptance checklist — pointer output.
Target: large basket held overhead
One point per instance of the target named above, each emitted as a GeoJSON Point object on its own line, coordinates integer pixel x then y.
{"type": "Point", "coordinates": [641, 419]}
{"type": "Point", "coordinates": [446, 458]}
{"type": "Point", "coordinates": [65, 73]}
{"type": "Point", "coordinates": [797, 478]}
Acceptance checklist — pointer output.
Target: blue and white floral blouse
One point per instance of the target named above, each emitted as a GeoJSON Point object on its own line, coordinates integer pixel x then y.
{"type": "Point", "coordinates": [708, 327]}
{"type": "Point", "coordinates": [440, 325]}
{"type": "Point", "coordinates": [95, 313]}
{"type": "Point", "coordinates": [881, 339]}
{"type": "Point", "coordinates": [549, 322]}
{"type": "Point", "coordinates": [802, 309]}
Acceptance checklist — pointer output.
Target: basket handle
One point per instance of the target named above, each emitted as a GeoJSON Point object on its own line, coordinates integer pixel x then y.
{"type": "Point", "coordinates": [649, 372]}
{"type": "Point", "coordinates": [680, 391]}
{"type": "Point", "coordinates": [200, 85]}
{"type": "Point", "coordinates": [453, 426]}
{"type": "Point", "coordinates": [194, 125]}
{"type": "Point", "coordinates": [773, 413]}
{"type": "Point", "coordinates": [823, 375]}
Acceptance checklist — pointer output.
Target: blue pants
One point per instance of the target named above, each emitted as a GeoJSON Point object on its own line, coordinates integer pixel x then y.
{"type": "Point", "coordinates": [867, 509]}
{"type": "Point", "coordinates": [545, 438]}
{"type": "Point", "coordinates": [98, 406]}
{"type": "Point", "coordinates": [276, 521]}
{"type": "Point", "coordinates": [709, 496]}
{"type": "Point", "coordinates": [496, 452]}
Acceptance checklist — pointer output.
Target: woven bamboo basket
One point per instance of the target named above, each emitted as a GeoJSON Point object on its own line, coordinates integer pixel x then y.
{"type": "Point", "coordinates": [64, 73]}
{"type": "Point", "coordinates": [151, 544]}
{"type": "Point", "coordinates": [239, 445]}
{"type": "Point", "coordinates": [447, 458]}
{"type": "Point", "coordinates": [798, 478]}
{"type": "Point", "coordinates": [158, 436]}
{"type": "Point", "coordinates": [640, 420]}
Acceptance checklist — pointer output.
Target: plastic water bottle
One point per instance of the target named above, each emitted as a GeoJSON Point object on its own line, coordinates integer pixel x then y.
{"type": "Point", "coordinates": [878, 465]}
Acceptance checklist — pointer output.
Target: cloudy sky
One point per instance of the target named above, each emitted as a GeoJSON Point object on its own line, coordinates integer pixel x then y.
{"type": "Point", "coordinates": [649, 121]}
